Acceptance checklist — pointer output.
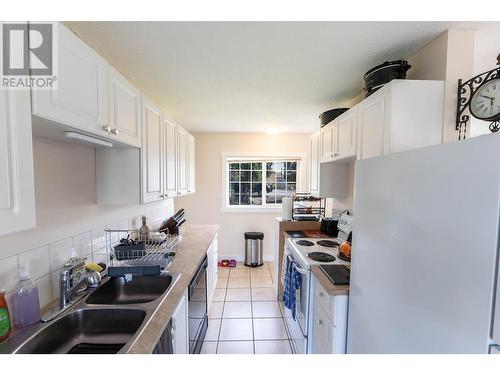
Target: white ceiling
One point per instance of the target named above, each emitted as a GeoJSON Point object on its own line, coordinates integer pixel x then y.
{"type": "Point", "coordinates": [245, 76]}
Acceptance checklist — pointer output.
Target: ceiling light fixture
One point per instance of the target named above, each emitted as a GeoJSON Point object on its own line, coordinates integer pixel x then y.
{"type": "Point", "coordinates": [87, 139]}
{"type": "Point", "coordinates": [272, 130]}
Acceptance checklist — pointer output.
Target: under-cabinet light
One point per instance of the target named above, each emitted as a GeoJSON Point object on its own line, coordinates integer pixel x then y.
{"type": "Point", "coordinates": [87, 139]}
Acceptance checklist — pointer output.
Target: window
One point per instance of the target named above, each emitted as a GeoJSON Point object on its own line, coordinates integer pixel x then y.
{"type": "Point", "coordinates": [260, 183]}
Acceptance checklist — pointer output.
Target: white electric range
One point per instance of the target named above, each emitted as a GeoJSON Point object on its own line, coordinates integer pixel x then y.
{"type": "Point", "coordinates": [315, 251]}
{"type": "Point", "coordinates": [307, 252]}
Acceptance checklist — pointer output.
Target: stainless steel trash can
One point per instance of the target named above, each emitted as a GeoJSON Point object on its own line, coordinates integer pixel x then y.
{"type": "Point", "coordinates": [254, 249]}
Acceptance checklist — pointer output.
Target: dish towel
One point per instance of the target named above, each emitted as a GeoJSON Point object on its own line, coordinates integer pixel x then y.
{"type": "Point", "coordinates": [292, 284]}
{"type": "Point", "coordinates": [284, 267]}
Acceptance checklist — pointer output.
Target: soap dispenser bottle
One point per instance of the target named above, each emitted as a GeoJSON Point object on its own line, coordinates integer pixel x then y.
{"type": "Point", "coordinates": [26, 305]}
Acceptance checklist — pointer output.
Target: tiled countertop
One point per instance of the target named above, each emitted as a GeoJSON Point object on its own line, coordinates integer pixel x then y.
{"type": "Point", "coordinates": [192, 247]}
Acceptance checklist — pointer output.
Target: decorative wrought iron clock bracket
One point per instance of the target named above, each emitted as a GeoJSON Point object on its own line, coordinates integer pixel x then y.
{"type": "Point", "coordinates": [465, 91]}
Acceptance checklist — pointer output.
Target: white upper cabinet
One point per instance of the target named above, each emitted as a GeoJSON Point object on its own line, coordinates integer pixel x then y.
{"type": "Point", "coordinates": [152, 151]}
{"type": "Point", "coordinates": [81, 97]}
{"type": "Point", "coordinates": [17, 193]}
{"type": "Point", "coordinates": [371, 120]}
{"type": "Point", "coordinates": [346, 126]}
{"type": "Point", "coordinates": [170, 153]}
{"type": "Point", "coordinates": [191, 162]}
{"type": "Point", "coordinates": [182, 153]}
{"type": "Point", "coordinates": [339, 137]}
{"type": "Point", "coordinates": [403, 115]}
{"type": "Point", "coordinates": [124, 110]}
{"type": "Point", "coordinates": [327, 141]}
{"type": "Point", "coordinates": [314, 156]}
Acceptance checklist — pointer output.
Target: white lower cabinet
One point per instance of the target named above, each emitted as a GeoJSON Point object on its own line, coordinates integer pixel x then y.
{"type": "Point", "coordinates": [328, 322]}
{"type": "Point", "coordinates": [322, 331]}
{"type": "Point", "coordinates": [212, 269]}
{"type": "Point", "coordinates": [17, 190]}
{"type": "Point", "coordinates": [180, 328]}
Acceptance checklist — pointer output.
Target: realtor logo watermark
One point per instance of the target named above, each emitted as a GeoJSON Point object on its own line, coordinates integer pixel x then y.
{"type": "Point", "coordinates": [28, 56]}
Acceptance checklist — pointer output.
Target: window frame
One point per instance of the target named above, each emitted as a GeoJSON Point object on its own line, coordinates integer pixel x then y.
{"type": "Point", "coordinates": [228, 157]}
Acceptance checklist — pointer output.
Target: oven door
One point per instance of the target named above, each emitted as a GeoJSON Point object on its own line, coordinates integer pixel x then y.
{"type": "Point", "coordinates": [197, 309]}
{"type": "Point", "coordinates": [298, 329]}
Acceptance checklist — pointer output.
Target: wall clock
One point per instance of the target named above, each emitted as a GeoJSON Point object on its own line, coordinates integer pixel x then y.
{"type": "Point", "coordinates": [480, 97]}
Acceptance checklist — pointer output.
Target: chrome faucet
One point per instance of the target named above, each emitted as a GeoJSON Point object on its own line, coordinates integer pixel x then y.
{"type": "Point", "coordinates": [67, 288]}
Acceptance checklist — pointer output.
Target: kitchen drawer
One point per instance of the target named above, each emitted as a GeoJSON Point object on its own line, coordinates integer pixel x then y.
{"type": "Point", "coordinates": [325, 300]}
{"type": "Point", "coordinates": [322, 330]}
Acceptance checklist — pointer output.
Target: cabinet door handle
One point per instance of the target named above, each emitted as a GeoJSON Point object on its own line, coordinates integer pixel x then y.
{"type": "Point", "coordinates": [320, 322]}
{"type": "Point", "coordinates": [321, 294]}
{"type": "Point", "coordinates": [107, 128]}
{"type": "Point", "coordinates": [115, 131]}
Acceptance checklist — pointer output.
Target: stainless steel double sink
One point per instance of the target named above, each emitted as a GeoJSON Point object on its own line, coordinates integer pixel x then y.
{"type": "Point", "coordinates": [105, 321]}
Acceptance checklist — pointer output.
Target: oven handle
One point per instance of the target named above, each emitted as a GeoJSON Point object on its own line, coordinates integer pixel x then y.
{"type": "Point", "coordinates": [299, 270]}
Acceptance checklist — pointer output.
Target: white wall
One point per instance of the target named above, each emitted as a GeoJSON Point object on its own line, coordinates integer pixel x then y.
{"type": "Point", "coordinates": [486, 50]}
{"type": "Point", "coordinates": [67, 216]}
{"type": "Point", "coordinates": [429, 63]}
{"type": "Point", "coordinates": [204, 207]}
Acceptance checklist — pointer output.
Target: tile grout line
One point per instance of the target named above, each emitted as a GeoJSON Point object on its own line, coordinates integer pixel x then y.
{"type": "Point", "coordinates": [252, 316]}
{"type": "Point", "coordinates": [251, 311]}
{"type": "Point", "coordinates": [222, 312]}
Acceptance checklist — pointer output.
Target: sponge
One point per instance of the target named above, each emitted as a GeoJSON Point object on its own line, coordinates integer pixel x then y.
{"type": "Point", "coordinates": [93, 267]}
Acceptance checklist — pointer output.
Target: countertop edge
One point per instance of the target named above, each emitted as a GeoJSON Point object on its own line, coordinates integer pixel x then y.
{"type": "Point", "coordinates": [330, 288]}
{"type": "Point", "coordinates": [193, 246]}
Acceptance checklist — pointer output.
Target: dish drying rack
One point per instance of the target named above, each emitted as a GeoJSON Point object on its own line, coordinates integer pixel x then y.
{"type": "Point", "coordinates": [158, 249]}
{"type": "Point", "coordinates": [306, 207]}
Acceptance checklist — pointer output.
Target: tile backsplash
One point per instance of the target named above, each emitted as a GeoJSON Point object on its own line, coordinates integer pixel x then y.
{"type": "Point", "coordinates": [46, 260]}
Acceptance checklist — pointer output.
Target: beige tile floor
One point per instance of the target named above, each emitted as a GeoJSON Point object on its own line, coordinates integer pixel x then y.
{"type": "Point", "coordinates": [245, 317]}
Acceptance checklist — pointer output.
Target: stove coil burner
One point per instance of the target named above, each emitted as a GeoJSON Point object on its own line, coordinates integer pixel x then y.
{"type": "Point", "coordinates": [321, 257]}
{"type": "Point", "coordinates": [304, 243]}
{"type": "Point", "coordinates": [327, 243]}
{"type": "Point", "coordinates": [343, 257]}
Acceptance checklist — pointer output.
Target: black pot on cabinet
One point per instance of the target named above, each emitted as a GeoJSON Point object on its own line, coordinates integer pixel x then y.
{"type": "Point", "coordinates": [384, 73]}
{"type": "Point", "coordinates": [330, 115]}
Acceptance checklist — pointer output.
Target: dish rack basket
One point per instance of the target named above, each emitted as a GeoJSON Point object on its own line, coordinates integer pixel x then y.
{"type": "Point", "coordinates": [308, 207]}
{"type": "Point", "coordinates": [158, 249]}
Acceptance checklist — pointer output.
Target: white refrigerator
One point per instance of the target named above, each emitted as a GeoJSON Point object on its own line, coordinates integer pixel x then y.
{"type": "Point", "coordinates": [424, 270]}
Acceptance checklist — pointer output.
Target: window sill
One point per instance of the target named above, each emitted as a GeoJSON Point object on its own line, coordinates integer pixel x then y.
{"type": "Point", "coordinates": [250, 209]}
